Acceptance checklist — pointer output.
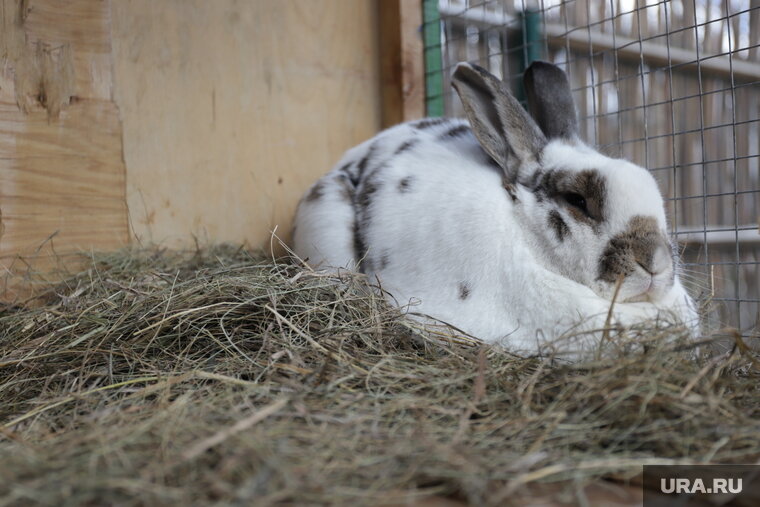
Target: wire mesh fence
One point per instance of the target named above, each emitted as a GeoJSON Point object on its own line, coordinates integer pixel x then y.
{"type": "Point", "coordinates": [673, 85]}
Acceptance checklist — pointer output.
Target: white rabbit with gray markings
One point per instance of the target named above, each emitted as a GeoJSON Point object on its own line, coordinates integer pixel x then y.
{"type": "Point", "coordinates": [506, 226]}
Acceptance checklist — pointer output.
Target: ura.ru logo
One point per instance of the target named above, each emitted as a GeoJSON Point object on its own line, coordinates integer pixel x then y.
{"type": "Point", "coordinates": [698, 486]}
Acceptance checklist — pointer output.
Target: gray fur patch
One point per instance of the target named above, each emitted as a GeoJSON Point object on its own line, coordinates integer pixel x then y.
{"type": "Point", "coordinates": [591, 185]}
{"type": "Point", "coordinates": [362, 165]}
{"type": "Point", "coordinates": [347, 188]}
{"type": "Point", "coordinates": [406, 146]}
{"type": "Point", "coordinates": [363, 200]}
{"type": "Point", "coordinates": [558, 224]}
{"type": "Point", "coordinates": [364, 197]}
{"type": "Point", "coordinates": [352, 176]}
{"type": "Point", "coordinates": [588, 184]}
{"type": "Point", "coordinates": [550, 100]}
{"type": "Point", "coordinates": [360, 247]}
{"type": "Point", "coordinates": [464, 290]}
{"type": "Point", "coordinates": [454, 132]}
{"type": "Point", "coordinates": [404, 184]}
{"type": "Point", "coordinates": [385, 260]}
{"type": "Point", "coordinates": [316, 192]}
{"type": "Point", "coordinates": [429, 122]}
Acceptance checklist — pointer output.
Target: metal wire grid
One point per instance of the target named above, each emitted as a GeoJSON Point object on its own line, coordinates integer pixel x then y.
{"type": "Point", "coordinates": [670, 84]}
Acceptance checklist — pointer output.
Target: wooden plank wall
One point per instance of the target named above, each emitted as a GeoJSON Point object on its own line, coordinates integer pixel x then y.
{"type": "Point", "coordinates": [181, 120]}
{"type": "Point", "coordinates": [62, 176]}
{"type": "Point", "coordinates": [230, 111]}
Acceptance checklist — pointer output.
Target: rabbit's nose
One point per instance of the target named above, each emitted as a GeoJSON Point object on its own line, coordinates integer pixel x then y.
{"type": "Point", "coordinates": [659, 261]}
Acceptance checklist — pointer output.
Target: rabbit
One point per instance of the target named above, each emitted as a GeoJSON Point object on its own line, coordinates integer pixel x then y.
{"type": "Point", "coordinates": [506, 226]}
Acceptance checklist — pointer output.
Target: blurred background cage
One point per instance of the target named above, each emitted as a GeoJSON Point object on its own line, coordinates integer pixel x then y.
{"type": "Point", "coordinates": [673, 85]}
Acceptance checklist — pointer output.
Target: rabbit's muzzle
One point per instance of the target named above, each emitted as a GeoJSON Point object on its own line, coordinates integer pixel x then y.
{"type": "Point", "coordinates": [642, 257]}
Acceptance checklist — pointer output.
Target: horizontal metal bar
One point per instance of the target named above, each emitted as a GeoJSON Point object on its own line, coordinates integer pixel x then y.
{"type": "Point", "coordinates": [654, 53]}
{"type": "Point", "coordinates": [744, 235]}
{"type": "Point", "coordinates": [705, 264]}
{"type": "Point", "coordinates": [477, 16]}
{"type": "Point", "coordinates": [625, 48]}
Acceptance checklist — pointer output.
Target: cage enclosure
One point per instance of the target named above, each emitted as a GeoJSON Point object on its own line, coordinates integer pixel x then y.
{"type": "Point", "coordinates": [671, 85]}
{"type": "Point", "coordinates": [161, 366]}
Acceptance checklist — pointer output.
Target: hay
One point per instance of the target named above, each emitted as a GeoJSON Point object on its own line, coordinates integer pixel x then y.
{"type": "Point", "coordinates": [217, 376]}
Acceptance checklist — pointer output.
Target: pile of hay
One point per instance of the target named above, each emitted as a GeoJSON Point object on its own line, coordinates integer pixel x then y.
{"type": "Point", "coordinates": [214, 376]}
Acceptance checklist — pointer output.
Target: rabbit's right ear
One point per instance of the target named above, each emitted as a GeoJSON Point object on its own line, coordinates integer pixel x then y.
{"type": "Point", "coordinates": [498, 121]}
{"type": "Point", "coordinates": [550, 101]}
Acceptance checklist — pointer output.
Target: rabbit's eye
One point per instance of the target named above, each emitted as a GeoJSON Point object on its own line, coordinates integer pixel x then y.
{"type": "Point", "coordinates": [576, 201]}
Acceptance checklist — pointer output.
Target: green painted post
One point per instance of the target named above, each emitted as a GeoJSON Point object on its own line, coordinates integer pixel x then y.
{"type": "Point", "coordinates": [431, 32]}
{"type": "Point", "coordinates": [533, 38]}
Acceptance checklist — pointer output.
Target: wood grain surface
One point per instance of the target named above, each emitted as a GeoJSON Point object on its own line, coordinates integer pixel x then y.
{"type": "Point", "coordinates": [232, 109]}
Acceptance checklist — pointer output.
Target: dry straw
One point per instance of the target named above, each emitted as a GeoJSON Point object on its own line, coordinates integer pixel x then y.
{"type": "Point", "coordinates": [217, 377]}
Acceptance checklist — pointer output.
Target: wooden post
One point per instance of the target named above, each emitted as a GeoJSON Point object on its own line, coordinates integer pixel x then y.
{"type": "Point", "coordinates": [401, 62]}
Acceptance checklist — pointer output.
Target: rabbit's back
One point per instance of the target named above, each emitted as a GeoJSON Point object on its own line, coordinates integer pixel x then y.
{"type": "Point", "coordinates": [405, 187]}
{"type": "Point", "coordinates": [422, 208]}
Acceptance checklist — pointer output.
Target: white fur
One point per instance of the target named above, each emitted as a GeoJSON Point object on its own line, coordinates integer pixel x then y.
{"type": "Point", "coordinates": [457, 225]}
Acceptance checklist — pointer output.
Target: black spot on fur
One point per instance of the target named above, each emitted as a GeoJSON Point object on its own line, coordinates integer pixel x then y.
{"type": "Point", "coordinates": [364, 163]}
{"type": "Point", "coordinates": [406, 146]}
{"type": "Point", "coordinates": [404, 184]}
{"type": "Point", "coordinates": [558, 224]}
{"type": "Point", "coordinates": [316, 192]}
{"type": "Point", "coordinates": [464, 290]}
{"type": "Point", "coordinates": [360, 247]}
{"type": "Point", "coordinates": [362, 202]}
{"type": "Point", "coordinates": [347, 188]}
{"type": "Point", "coordinates": [454, 132]}
{"type": "Point", "coordinates": [364, 198]}
{"type": "Point", "coordinates": [429, 122]}
{"type": "Point", "coordinates": [385, 260]}
{"type": "Point", "coordinates": [352, 176]}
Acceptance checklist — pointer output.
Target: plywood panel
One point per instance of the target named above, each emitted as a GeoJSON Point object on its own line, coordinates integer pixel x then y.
{"type": "Point", "coordinates": [401, 61]}
{"type": "Point", "coordinates": [84, 25]}
{"type": "Point", "coordinates": [232, 108]}
{"type": "Point", "coordinates": [62, 175]}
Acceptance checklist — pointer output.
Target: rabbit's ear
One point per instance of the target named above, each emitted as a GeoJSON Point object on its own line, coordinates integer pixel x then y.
{"type": "Point", "coordinates": [498, 121]}
{"type": "Point", "coordinates": [550, 101]}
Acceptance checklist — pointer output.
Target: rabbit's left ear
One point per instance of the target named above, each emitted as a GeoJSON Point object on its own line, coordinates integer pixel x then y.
{"type": "Point", "coordinates": [500, 124]}
{"type": "Point", "coordinates": [550, 101]}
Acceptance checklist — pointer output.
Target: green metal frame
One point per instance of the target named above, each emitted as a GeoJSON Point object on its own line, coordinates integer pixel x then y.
{"type": "Point", "coordinates": [531, 36]}
{"type": "Point", "coordinates": [431, 32]}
